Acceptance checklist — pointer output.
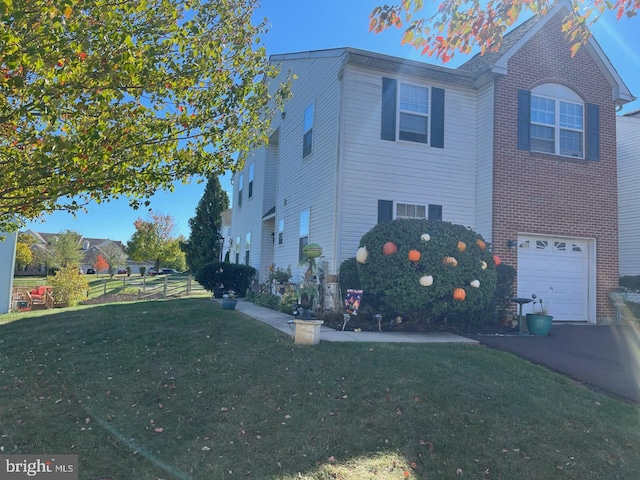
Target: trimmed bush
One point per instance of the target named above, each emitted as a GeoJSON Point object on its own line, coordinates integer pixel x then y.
{"type": "Point", "coordinates": [232, 276]}
{"type": "Point", "coordinates": [392, 283]}
{"type": "Point", "coordinates": [632, 282]}
{"type": "Point", "coordinates": [69, 287]}
{"type": "Point", "coordinates": [506, 276]}
{"type": "Point", "coordinates": [267, 300]}
{"type": "Point", "coordinates": [348, 276]}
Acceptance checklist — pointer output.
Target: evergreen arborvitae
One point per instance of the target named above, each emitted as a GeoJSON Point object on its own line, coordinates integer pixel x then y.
{"type": "Point", "coordinates": [203, 245]}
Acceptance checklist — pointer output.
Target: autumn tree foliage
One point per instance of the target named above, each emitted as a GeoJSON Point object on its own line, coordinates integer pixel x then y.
{"type": "Point", "coordinates": [203, 245]}
{"type": "Point", "coordinates": [451, 26]}
{"type": "Point", "coordinates": [155, 240]}
{"type": "Point", "coordinates": [103, 99]}
{"type": "Point", "coordinates": [101, 264]}
{"type": "Point", "coordinates": [115, 258]}
{"type": "Point", "coordinates": [24, 256]}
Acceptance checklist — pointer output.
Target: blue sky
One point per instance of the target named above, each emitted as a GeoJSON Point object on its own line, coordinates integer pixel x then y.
{"type": "Point", "coordinates": [314, 25]}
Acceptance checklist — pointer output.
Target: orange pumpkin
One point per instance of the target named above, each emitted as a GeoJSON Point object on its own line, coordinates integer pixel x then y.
{"type": "Point", "coordinates": [481, 245]}
{"type": "Point", "coordinates": [389, 248]}
{"type": "Point", "coordinates": [459, 294]}
{"type": "Point", "coordinates": [414, 255]}
{"type": "Point", "coordinates": [462, 246]}
{"type": "Point", "coordinates": [496, 260]}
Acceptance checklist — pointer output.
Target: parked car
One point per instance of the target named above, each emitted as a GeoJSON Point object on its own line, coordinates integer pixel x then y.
{"type": "Point", "coordinates": [169, 271]}
{"type": "Point", "coordinates": [122, 271]}
{"type": "Point", "coordinates": [152, 271]}
{"type": "Point", "coordinates": [91, 271]}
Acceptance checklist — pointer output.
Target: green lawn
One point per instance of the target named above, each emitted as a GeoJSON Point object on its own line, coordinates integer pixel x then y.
{"type": "Point", "coordinates": [181, 389]}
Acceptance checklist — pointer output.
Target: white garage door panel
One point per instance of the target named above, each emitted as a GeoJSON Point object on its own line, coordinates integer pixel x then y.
{"type": "Point", "coordinates": [556, 270]}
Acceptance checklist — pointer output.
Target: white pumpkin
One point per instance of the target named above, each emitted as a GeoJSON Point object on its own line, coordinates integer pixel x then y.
{"type": "Point", "coordinates": [426, 280]}
{"type": "Point", "coordinates": [475, 283]}
{"type": "Point", "coordinates": [362, 254]}
{"type": "Point", "coordinates": [425, 236]}
{"type": "Point", "coordinates": [484, 265]}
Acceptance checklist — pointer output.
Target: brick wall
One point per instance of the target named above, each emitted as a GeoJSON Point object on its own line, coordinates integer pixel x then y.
{"type": "Point", "coordinates": [547, 194]}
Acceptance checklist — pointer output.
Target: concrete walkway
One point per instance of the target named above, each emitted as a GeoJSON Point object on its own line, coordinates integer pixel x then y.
{"type": "Point", "coordinates": [279, 321]}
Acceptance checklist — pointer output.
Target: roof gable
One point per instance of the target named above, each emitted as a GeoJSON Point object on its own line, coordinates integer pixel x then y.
{"type": "Point", "coordinates": [497, 62]}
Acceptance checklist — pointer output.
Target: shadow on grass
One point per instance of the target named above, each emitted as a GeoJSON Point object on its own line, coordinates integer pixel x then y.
{"type": "Point", "coordinates": [182, 389]}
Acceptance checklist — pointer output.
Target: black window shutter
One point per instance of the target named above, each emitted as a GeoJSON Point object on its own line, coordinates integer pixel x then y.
{"type": "Point", "coordinates": [435, 212]}
{"type": "Point", "coordinates": [389, 99]}
{"type": "Point", "coordinates": [437, 117]}
{"type": "Point", "coordinates": [524, 120]}
{"type": "Point", "coordinates": [593, 131]}
{"type": "Point", "coordinates": [385, 211]}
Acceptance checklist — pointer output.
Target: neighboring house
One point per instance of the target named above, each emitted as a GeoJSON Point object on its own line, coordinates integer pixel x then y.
{"type": "Point", "coordinates": [628, 134]}
{"type": "Point", "coordinates": [91, 248]}
{"type": "Point", "coordinates": [518, 145]}
{"type": "Point", "coordinates": [225, 232]}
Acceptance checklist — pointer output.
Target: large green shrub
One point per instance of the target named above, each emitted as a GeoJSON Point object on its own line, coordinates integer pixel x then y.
{"type": "Point", "coordinates": [632, 282]}
{"type": "Point", "coordinates": [231, 276]}
{"type": "Point", "coordinates": [69, 287]}
{"type": "Point", "coordinates": [348, 276]}
{"type": "Point", "coordinates": [392, 282]}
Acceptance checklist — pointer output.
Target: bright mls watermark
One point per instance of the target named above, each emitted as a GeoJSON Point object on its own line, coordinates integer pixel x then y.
{"type": "Point", "coordinates": [40, 467]}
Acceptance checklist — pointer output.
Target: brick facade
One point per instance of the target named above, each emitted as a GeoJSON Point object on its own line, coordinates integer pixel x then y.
{"type": "Point", "coordinates": [547, 194]}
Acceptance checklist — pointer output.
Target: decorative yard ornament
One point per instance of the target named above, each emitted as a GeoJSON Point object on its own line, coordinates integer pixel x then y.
{"type": "Point", "coordinates": [484, 265]}
{"type": "Point", "coordinates": [496, 260]}
{"type": "Point", "coordinates": [362, 254]}
{"type": "Point", "coordinates": [389, 248]}
{"type": "Point", "coordinates": [426, 280]}
{"type": "Point", "coordinates": [312, 250]}
{"type": "Point", "coordinates": [462, 246]}
{"type": "Point", "coordinates": [425, 237]}
{"type": "Point", "coordinates": [450, 261]}
{"type": "Point", "coordinates": [414, 255]}
{"type": "Point", "coordinates": [475, 283]}
{"type": "Point", "coordinates": [481, 245]}
{"type": "Point", "coordinates": [459, 294]}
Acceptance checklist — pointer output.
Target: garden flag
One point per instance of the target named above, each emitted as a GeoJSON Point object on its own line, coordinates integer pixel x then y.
{"type": "Point", "coordinates": [352, 301]}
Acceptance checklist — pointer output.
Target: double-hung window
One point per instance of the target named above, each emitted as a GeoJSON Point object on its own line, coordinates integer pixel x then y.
{"type": "Point", "coordinates": [307, 135]}
{"type": "Point", "coordinates": [280, 231]}
{"type": "Point", "coordinates": [251, 168]}
{"type": "Point", "coordinates": [412, 113]}
{"type": "Point", "coordinates": [237, 252]}
{"type": "Point", "coordinates": [240, 188]}
{"type": "Point", "coordinates": [247, 248]}
{"type": "Point", "coordinates": [554, 119]}
{"type": "Point", "coordinates": [557, 127]}
{"type": "Point", "coordinates": [303, 238]}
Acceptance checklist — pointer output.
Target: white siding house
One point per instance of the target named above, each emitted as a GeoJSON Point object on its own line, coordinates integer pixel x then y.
{"type": "Point", "coordinates": [367, 138]}
{"type": "Point", "coordinates": [326, 163]}
{"type": "Point", "coordinates": [628, 139]}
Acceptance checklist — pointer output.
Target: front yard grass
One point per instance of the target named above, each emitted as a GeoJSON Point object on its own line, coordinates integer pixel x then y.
{"type": "Point", "coordinates": [181, 389]}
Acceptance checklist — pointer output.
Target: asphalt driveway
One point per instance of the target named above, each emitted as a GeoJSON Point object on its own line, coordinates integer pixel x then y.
{"type": "Point", "coordinates": [604, 357]}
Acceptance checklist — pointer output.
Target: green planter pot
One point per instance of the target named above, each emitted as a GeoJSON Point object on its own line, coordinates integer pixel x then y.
{"type": "Point", "coordinates": [228, 304]}
{"type": "Point", "coordinates": [539, 324]}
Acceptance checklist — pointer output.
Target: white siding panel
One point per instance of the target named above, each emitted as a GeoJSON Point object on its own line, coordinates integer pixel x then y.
{"type": "Point", "coordinates": [484, 180]}
{"type": "Point", "coordinates": [628, 144]}
{"type": "Point", "coordinates": [405, 172]}
{"type": "Point", "coordinates": [308, 183]}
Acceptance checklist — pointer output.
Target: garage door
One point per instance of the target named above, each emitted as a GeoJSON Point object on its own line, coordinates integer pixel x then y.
{"type": "Point", "coordinates": [556, 270]}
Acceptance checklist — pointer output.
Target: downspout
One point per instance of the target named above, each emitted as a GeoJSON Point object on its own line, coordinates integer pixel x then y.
{"type": "Point", "coordinates": [338, 183]}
